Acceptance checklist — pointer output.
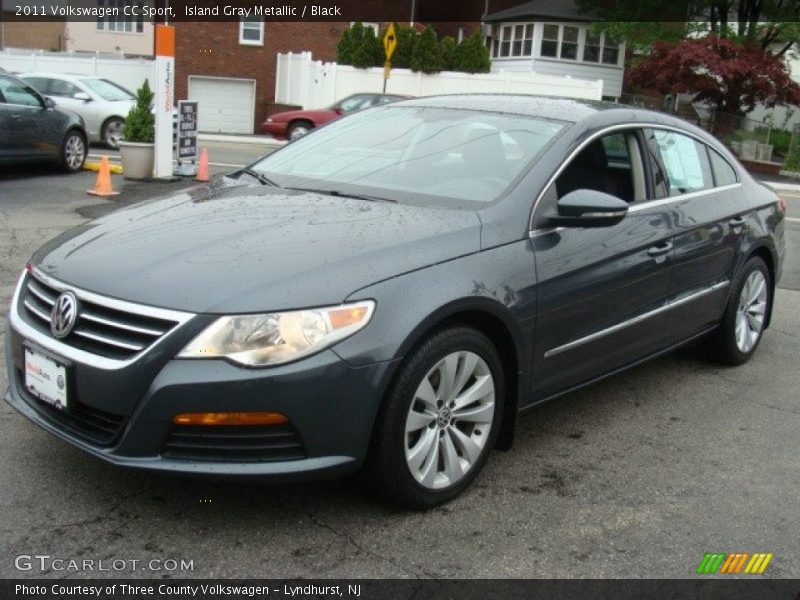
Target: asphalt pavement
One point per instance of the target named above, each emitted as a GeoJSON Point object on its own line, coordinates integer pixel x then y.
{"type": "Point", "coordinates": [637, 476]}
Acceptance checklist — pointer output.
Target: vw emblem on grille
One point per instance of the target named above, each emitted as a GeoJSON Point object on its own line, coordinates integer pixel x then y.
{"type": "Point", "coordinates": [64, 314]}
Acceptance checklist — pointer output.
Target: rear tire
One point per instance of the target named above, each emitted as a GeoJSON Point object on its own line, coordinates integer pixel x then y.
{"type": "Point", "coordinates": [73, 151]}
{"type": "Point", "coordinates": [742, 325]}
{"type": "Point", "coordinates": [439, 421]}
{"type": "Point", "coordinates": [112, 132]}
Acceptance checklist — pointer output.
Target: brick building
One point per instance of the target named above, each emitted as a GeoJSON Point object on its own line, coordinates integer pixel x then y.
{"type": "Point", "coordinates": [231, 66]}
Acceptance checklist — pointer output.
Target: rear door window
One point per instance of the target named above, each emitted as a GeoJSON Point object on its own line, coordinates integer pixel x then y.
{"type": "Point", "coordinates": [685, 163]}
{"type": "Point", "coordinates": [724, 173]}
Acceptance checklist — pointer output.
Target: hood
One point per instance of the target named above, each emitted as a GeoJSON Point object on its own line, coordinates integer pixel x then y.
{"type": "Point", "coordinates": [234, 248]}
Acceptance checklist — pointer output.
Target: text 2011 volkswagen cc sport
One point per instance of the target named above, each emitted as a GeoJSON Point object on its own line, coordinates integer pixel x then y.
{"type": "Point", "coordinates": [391, 290]}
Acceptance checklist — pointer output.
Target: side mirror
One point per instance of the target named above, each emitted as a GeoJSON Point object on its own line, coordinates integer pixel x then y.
{"type": "Point", "coordinates": [589, 208]}
{"type": "Point", "coordinates": [338, 110]}
{"type": "Point", "coordinates": [82, 96]}
{"type": "Point", "coordinates": [49, 103]}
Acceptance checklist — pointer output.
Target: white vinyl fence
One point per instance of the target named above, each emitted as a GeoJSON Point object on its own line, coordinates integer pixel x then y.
{"type": "Point", "coordinates": [130, 73]}
{"type": "Point", "coordinates": [302, 81]}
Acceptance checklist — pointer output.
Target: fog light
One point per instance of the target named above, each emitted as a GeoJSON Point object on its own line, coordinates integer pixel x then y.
{"type": "Point", "coordinates": [230, 418]}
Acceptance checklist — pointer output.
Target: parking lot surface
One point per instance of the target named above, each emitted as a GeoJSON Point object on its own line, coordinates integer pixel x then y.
{"type": "Point", "coordinates": [637, 476]}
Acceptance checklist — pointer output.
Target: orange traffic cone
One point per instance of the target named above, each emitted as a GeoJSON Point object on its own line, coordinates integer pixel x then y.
{"type": "Point", "coordinates": [202, 170]}
{"type": "Point", "coordinates": [102, 185]}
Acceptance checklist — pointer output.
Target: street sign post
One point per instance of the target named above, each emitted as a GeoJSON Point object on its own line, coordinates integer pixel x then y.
{"type": "Point", "coordinates": [187, 138]}
{"type": "Point", "coordinates": [389, 44]}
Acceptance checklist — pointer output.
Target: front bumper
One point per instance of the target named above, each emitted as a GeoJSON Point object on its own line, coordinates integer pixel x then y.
{"type": "Point", "coordinates": [331, 407]}
{"type": "Point", "coordinates": [276, 130]}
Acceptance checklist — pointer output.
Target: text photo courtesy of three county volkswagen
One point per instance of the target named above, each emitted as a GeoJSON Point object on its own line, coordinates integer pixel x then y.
{"type": "Point", "coordinates": [402, 290]}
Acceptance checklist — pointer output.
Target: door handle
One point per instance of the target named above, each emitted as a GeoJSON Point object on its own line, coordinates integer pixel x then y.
{"type": "Point", "coordinates": [16, 117]}
{"type": "Point", "coordinates": [736, 223]}
{"type": "Point", "coordinates": [660, 249]}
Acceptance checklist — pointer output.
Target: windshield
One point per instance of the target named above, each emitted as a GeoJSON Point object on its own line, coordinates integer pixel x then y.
{"type": "Point", "coordinates": [414, 154]}
{"type": "Point", "coordinates": [107, 90]}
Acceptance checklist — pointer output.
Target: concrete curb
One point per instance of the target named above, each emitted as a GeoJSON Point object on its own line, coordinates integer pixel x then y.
{"type": "Point", "coordinates": [91, 165]}
{"type": "Point", "coordinates": [258, 140]}
{"type": "Point", "coordinates": [780, 185]}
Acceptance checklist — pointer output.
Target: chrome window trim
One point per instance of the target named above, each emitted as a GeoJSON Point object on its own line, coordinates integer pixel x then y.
{"type": "Point", "coordinates": [76, 354]}
{"type": "Point", "coordinates": [635, 320]}
{"type": "Point", "coordinates": [636, 207]}
{"type": "Point", "coordinates": [628, 126]}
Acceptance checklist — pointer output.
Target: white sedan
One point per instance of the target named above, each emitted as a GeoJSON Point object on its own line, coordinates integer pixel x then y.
{"type": "Point", "coordinates": [102, 103]}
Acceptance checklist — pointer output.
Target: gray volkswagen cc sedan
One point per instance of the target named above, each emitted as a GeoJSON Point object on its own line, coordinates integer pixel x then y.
{"type": "Point", "coordinates": [391, 290]}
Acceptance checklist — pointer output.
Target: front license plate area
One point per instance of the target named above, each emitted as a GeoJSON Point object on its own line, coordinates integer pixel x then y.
{"type": "Point", "coordinates": [46, 379]}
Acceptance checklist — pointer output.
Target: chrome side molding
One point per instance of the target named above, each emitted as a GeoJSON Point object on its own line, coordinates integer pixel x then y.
{"type": "Point", "coordinates": [630, 322]}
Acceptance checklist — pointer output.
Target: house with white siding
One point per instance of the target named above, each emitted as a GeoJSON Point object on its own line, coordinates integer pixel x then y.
{"type": "Point", "coordinates": [553, 38]}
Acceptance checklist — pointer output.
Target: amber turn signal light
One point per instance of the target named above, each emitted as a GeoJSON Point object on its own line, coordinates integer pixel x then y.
{"type": "Point", "coordinates": [230, 418]}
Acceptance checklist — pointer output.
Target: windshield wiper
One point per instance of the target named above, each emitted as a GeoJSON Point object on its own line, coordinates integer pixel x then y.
{"type": "Point", "coordinates": [262, 179]}
{"type": "Point", "coordinates": [340, 194]}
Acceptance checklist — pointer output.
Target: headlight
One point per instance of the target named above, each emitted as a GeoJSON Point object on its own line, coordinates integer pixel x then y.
{"type": "Point", "coordinates": [269, 119]}
{"type": "Point", "coordinates": [275, 338]}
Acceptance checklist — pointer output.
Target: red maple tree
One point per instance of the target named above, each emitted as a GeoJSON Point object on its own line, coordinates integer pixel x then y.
{"type": "Point", "coordinates": [732, 77]}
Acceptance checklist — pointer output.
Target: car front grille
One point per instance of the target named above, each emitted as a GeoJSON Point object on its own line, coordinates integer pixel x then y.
{"type": "Point", "coordinates": [83, 421]}
{"type": "Point", "coordinates": [100, 329]}
{"type": "Point", "coordinates": [235, 443]}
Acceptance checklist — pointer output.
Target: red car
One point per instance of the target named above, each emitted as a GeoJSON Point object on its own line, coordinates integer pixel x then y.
{"type": "Point", "coordinates": [292, 124]}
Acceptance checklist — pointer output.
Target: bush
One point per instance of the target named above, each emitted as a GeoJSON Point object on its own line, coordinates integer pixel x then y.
{"type": "Point", "coordinates": [448, 51]}
{"type": "Point", "coordinates": [472, 55]}
{"type": "Point", "coordinates": [406, 39]}
{"type": "Point", "coordinates": [344, 48]}
{"type": "Point", "coordinates": [140, 124]}
{"type": "Point", "coordinates": [427, 56]}
{"type": "Point", "coordinates": [369, 52]}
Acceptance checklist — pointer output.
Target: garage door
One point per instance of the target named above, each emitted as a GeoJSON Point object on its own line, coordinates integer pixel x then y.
{"type": "Point", "coordinates": [224, 105]}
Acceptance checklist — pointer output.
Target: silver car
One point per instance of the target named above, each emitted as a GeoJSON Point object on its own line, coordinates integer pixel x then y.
{"type": "Point", "coordinates": [102, 103]}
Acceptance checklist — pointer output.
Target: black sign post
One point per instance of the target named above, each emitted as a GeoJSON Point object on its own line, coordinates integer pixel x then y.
{"type": "Point", "coordinates": [187, 138]}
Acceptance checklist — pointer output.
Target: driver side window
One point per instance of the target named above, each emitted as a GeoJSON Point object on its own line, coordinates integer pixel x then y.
{"type": "Point", "coordinates": [611, 164]}
{"type": "Point", "coordinates": [16, 92]}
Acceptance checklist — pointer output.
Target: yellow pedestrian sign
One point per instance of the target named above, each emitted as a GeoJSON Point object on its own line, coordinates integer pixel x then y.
{"type": "Point", "coordinates": [389, 42]}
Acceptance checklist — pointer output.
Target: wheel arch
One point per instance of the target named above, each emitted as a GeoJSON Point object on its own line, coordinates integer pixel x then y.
{"type": "Point", "coordinates": [495, 321]}
{"type": "Point", "coordinates": [767, 254]}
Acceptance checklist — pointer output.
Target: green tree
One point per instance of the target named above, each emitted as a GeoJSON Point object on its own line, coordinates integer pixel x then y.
{"type": "Point", "coordinates": [406, 38]}
{"type": "Point", "coordinates": [427, 56]}
{"type": "Point", "coordinates": [448, 51]}
{"type": "Point", "coordinates": [472, 55]}
{"type": "Point", "coordinates": [344, 48]}
{"type": "Point", "coordinates": [140, 124]}
{"type": "Point", "coordinates": [774, 25]}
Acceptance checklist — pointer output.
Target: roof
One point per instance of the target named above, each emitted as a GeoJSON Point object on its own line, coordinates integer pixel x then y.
{"type": "Point", "coordinates": [560, 10]}
{"type": "Point", "coordinates": [547, 107]}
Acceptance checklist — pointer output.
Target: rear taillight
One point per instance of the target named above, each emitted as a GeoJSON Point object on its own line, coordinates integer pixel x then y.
{"type": "Point", "coordinates": [782, 205]}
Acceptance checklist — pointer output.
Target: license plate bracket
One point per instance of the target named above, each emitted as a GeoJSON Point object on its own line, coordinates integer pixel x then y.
{"type": "Point", "coordinates": [46, 378]}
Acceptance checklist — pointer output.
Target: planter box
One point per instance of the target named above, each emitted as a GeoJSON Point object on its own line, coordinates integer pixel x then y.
{"type": "Point", "coordinates": [764, 152]}
{"type": "Point", "coordinates": [749, 149]}
{"type": "Point", "coordinates": [137, 159]}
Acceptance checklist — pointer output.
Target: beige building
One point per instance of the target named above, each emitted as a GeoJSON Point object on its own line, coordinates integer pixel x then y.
{"type": "Point", "coordinates": [129, 37]}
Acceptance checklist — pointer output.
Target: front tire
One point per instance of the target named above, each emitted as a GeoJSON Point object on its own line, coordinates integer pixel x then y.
{"type": "Point", "coordinates": [745, 317]}
{"type": "Point", "coordinates": [298, 129]}
{"type": "Point", "coordinates": [73, 151]}
{"type": "Point", "coordinates": [439, 420]}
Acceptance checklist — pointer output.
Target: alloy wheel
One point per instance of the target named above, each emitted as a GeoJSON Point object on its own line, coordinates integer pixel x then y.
{"type": "Point", "coordinates": [113, 133]}
{"type": "Point", "coordinates": [449, 420]}
{"type": "Point", "coordinates": [74, 151]}
{"type": "Point", "coordinates": [751, 311]}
